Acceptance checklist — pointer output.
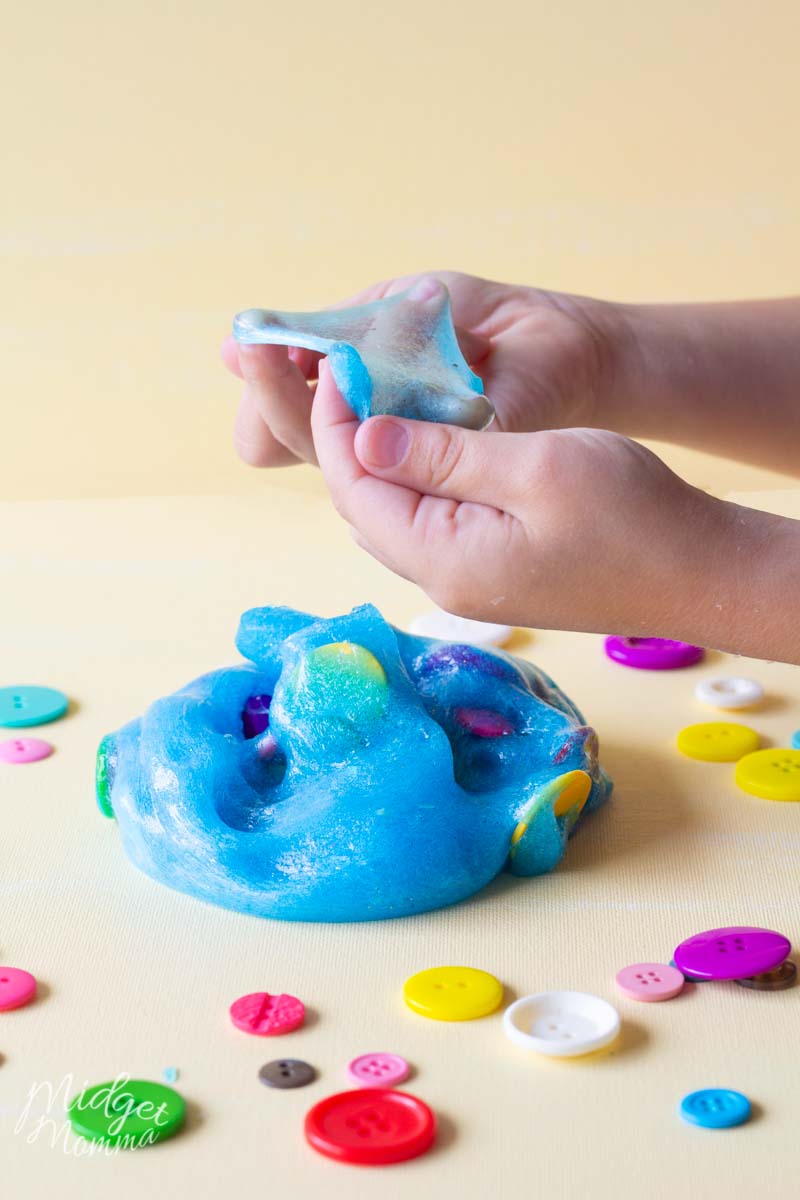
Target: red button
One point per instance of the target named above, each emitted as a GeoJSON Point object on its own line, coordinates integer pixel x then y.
{"type": "Point", "coordinates": [373, 1126]}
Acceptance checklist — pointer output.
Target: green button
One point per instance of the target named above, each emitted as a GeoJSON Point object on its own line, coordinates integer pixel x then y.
{"type": "Point", "coordinates": [23, 705]}
{"type": "Point", "coordinates": [127, 1112]}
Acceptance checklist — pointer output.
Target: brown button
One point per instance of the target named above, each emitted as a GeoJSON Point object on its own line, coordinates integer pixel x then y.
{"type": "Point", "coordinates": [287, 1073]}
{"type": "Point", "coordinates": [784, 976]}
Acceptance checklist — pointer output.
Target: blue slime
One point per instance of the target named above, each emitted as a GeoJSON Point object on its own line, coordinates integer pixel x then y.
{"type": "Point", "coordinates": [384, 774]}
{"type": "Point", "coordinates": [398, 355]}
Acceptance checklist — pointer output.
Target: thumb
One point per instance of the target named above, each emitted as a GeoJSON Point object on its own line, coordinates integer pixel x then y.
{"type": "Point", "coordinates": [445, 460]}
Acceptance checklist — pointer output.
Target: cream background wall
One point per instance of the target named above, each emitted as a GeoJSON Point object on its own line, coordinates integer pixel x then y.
{"type": "Point", "coordinates": [165, 164]}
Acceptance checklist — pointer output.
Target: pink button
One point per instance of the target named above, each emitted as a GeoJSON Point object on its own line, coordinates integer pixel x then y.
{"type": "Point", "coordinates": [24, 750]}
{"type": "Point", "coordinates": [732, 953]}
{"type": "Point", "coordinates": [266, 1015]}
{"type": "Point", "coordinates": [650, 981]}
{"type": "Point", "coordinates": [378, 1070]}
{"type": "Point", "coordinates": [17, 987]}
{"type": "Point", "coordinates": [483, 722]}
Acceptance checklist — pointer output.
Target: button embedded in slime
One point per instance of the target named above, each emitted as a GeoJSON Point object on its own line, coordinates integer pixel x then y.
{"type": "Point", "coordinates": [346, 678]}
{"type": "Point", "coordinates": [483, 722]}
{"type": "Point", "coordinates": [255, 715]}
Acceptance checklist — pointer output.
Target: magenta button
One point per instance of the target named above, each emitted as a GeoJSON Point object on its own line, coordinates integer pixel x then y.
{"type": "Point", "coordinates": [483, 722]}
{"type": "Point", "coordinates": [734, 953]}
{"type": "Point", "coordinates": [24, 750]}
{"type": "Point", "coordinates": [652, 654]}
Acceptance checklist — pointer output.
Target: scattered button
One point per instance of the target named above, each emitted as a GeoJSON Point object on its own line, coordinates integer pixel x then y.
{"type": "Point", "coordinates": [378, 1070]}
{"type": "Point", "coordinates": [453, 993]}
{"type": "Point", "coordinates": [483, 722]}
{"type": "Point", "coordinates": [561, 1024]}
{"type": "Point", "coordinates": [770, 774]}
{"type": "Point", "coordinates": [373, 1127]}
{"type": "Point", "coordinates": [448, 628]}
{"type": "Point", "coordinates": [782, 977]}
{"type": "Point", "coordinates": [21, 706]}
{"type": "Point", "coordinates": [729, 691]}
{"type": "Point", "coordinates": [732, 953]}
{"type": "Point", "coordinates": [17, 987]}
{"type": "Point", "coordinates": [287, 1073]}
{"type": "Point", "coordinates": [715, 1108]}
{"type": "Point", "coordinates": [134, 1112]}
{"type": "Point", "coordinates": [796, 740]}
{"type": "Point", "coordinates": [170, 1074]}
{"type": "Point", "coordinates": [650, 981]}
{"type": "Point", "coordinates": [717, 741]}
{"type": "Point", "coordinates": [652, 654]}
{"type": "Point", "coordinates": [24, 750]}
{"type": "Point", "coordinates": [266, 1015]}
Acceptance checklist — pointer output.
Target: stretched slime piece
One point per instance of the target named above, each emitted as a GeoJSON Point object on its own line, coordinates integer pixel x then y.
{"type": "Point", "coordinates": [350, 772]}
{"type": "Point", "coordinates": [399, 355]}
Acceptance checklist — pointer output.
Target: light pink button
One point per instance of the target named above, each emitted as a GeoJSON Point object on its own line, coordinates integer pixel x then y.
{"type": "Point", "coordinates": [266, 1015]}
{"type": "Point", "coordinates": [650, 981]}
{"type": "Point", "coordinates": [378, 1070]}
{"type": "Point", "coordinates": [17, 987]}
{"type": "Point", "coordinates": [24, 750]}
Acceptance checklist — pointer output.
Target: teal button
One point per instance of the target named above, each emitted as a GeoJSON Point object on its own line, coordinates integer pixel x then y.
{"type": "Point", "coordinates": [127, 1112]}
{"type": "Point", "coordinates": [21, 706]}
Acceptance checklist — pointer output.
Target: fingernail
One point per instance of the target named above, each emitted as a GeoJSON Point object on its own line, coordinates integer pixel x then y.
{"type": "Point", "coordinates": [382, 442]}
{"type": "Point", "coordinates": [424, 289]}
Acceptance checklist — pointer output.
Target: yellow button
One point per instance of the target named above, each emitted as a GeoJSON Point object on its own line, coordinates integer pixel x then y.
{"type": "Point", "coordinates": [717, 741]}
{"type": "Point", "coordinates": [771, 774]}
{"type": "Point", "coordinates": [453, 993]}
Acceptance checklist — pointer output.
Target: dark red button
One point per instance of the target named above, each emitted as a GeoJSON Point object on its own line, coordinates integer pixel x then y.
{"type": "Point", "coordinates": [373, 1126]}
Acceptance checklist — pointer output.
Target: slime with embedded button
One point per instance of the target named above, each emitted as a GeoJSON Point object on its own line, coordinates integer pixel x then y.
{"type": "Point", "coordinates": [349, 771]}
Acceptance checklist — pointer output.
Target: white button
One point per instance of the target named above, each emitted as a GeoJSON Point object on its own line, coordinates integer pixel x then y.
{"type": "Point", "coordinates": [561, 1024]}
{"type": "Point", "coordinates": [729, 691]}
{"type": "Point", "coordinates": [448, 628]}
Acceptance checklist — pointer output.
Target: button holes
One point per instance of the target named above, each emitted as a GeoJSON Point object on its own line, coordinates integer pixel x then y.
{"type": "Point", "coordinates": [461, 984]}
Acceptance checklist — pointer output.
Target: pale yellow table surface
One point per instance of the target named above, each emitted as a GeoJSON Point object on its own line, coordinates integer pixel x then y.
{"type": "Point", "coordinates": [118, 602]}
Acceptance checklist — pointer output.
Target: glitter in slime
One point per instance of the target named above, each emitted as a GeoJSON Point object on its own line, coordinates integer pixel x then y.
{"type": "Point", "coordinates": [397, 774]}
{"type": "Point", "coordinates": [398, 355]}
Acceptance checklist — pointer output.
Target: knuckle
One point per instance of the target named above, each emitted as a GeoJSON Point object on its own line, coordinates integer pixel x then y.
{"type": "Point", "coordinates": [446, 457]}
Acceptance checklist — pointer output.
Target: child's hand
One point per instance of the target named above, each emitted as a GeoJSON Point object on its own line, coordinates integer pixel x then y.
{"type": "Point", "coordinates": [546, 361]}
{"type": "Point", "coordinates": [574, 529]}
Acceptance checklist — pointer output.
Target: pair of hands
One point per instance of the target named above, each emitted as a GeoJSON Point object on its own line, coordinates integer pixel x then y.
{"type": "Point", "coordinates": [547, 520]}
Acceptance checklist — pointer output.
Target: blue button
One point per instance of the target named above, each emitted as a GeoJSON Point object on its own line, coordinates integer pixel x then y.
{"type": "Point", "coordinates": [796, 740]}
{"type": "Point", "coordinates": [21, 706]}
{"type": "Point", "coordinates": [715, 1108]}
{"type": "Point", "coordinates": [691, 978]}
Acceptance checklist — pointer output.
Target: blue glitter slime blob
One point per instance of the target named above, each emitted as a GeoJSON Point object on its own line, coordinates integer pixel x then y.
{"type": "Point", "coordinates": [390, 774]}
{"type": "Point", "coordinates": [397, 355]}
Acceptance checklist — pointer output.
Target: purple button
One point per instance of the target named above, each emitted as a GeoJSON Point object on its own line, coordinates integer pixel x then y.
{"type": "Point", "coordinates": [483, 722]}
{"type": "Point", "coordinates": [733, 953]}
{"type": "Point", "coordinates": [652, 654]}
{"type": "Point", "coordinates": [255, 715]}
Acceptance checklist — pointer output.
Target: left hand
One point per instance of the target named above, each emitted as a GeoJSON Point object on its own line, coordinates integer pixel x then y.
{"type": "Point", "coordinates": [569, 529]}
